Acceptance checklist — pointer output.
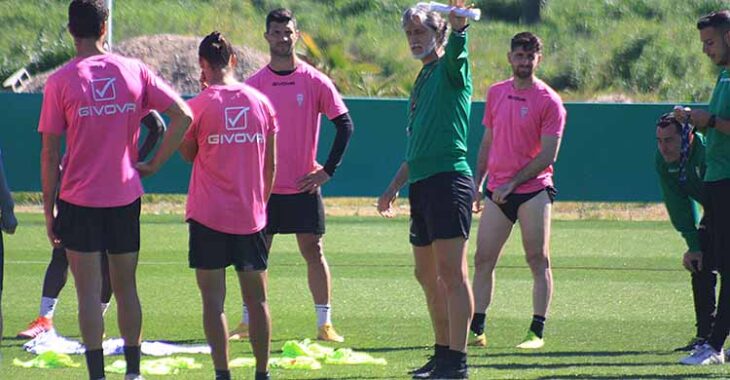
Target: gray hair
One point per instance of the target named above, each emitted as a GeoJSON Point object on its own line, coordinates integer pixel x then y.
{"type": "Point", "coordinates": [432, 20]}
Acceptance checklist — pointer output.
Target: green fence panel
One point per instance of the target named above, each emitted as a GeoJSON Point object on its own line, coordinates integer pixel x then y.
{"type": "Point", "coordinates": [607, 152]}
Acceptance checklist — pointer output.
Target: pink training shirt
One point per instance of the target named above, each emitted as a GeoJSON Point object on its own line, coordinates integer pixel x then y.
{"type": "Point", "coordinates": [98, 103]}
{"type": "Point", "coordinates": [299, 99]}
{"type": "Point", "coordinates": [232, 125]}
{"type": "Point", "coordinates": [518, 119]}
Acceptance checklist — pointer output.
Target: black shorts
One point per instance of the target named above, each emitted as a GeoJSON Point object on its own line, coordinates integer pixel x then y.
{"type": "Point", "coordinates": [98, 229]}
{"type": "Point", "coordinates": [211, 249]}
{"type": "Point", "coordinates": [440, 208]}
{"type": "Point", "coordinates": [514, 201]}
{"type": "Point", "coordinates": [295, 213]}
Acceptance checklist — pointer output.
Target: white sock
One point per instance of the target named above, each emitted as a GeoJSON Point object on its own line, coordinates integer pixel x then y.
{"type": "Point", "coordinates": [244, 320]}
{"type": "Point", "coordinates": [48, 307]}
{"type": "Point", "coordinates": [104, 308]}
{"type": "Point", "coordinates": [324, 314]}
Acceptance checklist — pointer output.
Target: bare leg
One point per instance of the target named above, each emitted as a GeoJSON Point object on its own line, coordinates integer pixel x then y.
{"type": "Point", "coordinates": [453, 272]}
{"type": "Point", "coordinates": [494, 230]}
{"type": "Point", "coordinates": [86, 269]}
{"type": "Point", "coordinates": [123, 278]}
{"type": "Point", "coordinates": [212, 285]}
{"type": "Point", "coordinates": [534, 217]}
{"type": "Point", "coordinates": [427, 276]}
{"type": "Point", "coordinates": [318, 272]}
{"type": "Point", "coordinates": [254, 296]}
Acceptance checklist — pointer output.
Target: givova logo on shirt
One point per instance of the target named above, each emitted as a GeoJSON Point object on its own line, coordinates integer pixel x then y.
{"type": "Point", "coordinates": [236, 118]}
{"type": "Point", "coordinates": [104, 90]}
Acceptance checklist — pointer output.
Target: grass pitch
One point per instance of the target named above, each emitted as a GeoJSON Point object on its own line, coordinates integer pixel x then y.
{"type": "Point", "coordinates": [621, 302]}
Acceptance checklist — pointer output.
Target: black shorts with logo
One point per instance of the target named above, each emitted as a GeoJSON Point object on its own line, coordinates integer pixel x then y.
{"type": "Point", "coordinates": [514, 201]}
{"type": "Point", "coordinates": [98, 229]}
{"type": "Point", "coordinates": [211, 249]}
{"type": "Point", "coordinates": [295, 213]}
{"type": "Point", "coordinates": [440, 207]}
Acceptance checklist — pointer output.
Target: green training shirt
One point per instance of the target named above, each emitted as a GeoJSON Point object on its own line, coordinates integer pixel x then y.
{"type": "Point", "coordinates": [718, 143]}
{"type": "Point", "coordinates": [682, 199]}
{"type": "Point", "coordinates": [438, 118]}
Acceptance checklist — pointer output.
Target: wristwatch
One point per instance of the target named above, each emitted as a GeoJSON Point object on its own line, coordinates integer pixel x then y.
{"type": "Point", "coordinates": [711, 121]}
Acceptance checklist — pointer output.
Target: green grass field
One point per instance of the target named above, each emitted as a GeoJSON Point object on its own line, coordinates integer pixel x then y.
{"type": "Point", "coordinates": [621, 302]}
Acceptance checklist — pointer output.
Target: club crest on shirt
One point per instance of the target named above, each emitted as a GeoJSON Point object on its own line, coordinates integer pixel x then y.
{"type": "Point", "coordinates": [236, 118]}
{"type": "Point", "coordinates": [300, 99]}
{"type": "Point", "coordinates": [103, 89]}
{"type": "Point", "coordinates": [523, 111]}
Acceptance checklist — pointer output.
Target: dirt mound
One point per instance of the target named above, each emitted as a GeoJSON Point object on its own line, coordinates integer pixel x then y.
{"type": "Point", "coordinates": [174, 58]}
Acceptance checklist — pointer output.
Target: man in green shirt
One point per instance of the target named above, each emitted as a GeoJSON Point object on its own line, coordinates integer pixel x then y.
{"type": "Point", "coordinates": [715, 124]}
{"type": "Point", "coordinates": [441, 187]}
{"type": "Point", "coordinates": [680, 165]}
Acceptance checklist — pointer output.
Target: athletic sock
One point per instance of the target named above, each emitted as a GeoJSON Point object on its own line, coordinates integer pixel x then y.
{"type": "Point", "coordinates": [262, 376]}
{"type": "Point", "coordinates": [95, 363]}
{"type": "Point", "coordinates": [132, 356]}
{"type": "Point", "coordinates": [440, 352]}
{"type": "Point", "coordinates": [222, 374]}
{"type": "Point", "coordinates": [48, 307]}
{"type": "Point", "coordinates": [324, 314]}
{"type": "Point", "coordinates": [244, 319]}
{"type": "Point", "coordinates": [477, 323]}
{"type": "Point", "coordinates": [456, 359]}
{"type": "Point", "coordinates": [537, 325]}
{"type": "Point", "coordinates": [104, 308]}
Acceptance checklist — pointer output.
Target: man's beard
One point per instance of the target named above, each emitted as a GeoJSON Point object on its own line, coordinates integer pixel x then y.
{"type": "Point", "coordinates": [522, 74]}
{"type": "Point", "coordinates": [281, 52]}
{"type": "Point", "coordinates": [724, 61]}
{"type": "Point", "coordinates": [426, 50]}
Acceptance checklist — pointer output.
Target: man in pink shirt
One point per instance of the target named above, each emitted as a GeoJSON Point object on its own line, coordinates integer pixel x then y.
{"type": "Point", "coordinates": [524, 120]}
{"type": "Point", "coordinates": [97, 101]}
{"type": "Point", "coordinates": [232, 145]}
{"type": "Point", "coordinates": [301, 94]}
{"type": "Point", "coordinates": [57, 271]}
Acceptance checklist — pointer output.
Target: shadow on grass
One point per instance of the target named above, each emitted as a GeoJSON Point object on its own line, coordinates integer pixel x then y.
{"type": "Point", "coordinates": [12, 342]}
{"type": "Point", "coordinates": [179, 341]}
{"type": "Point", "coordinates": [564, 354]}
{"type": "Point", "coordinates": [426, 350]}
{"type": "Point", "coordinates": [537, 366]}
{"type": "Point", "coordinates": [621, 377]}
{"type": "Point", "coordinates": [349, 377]}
